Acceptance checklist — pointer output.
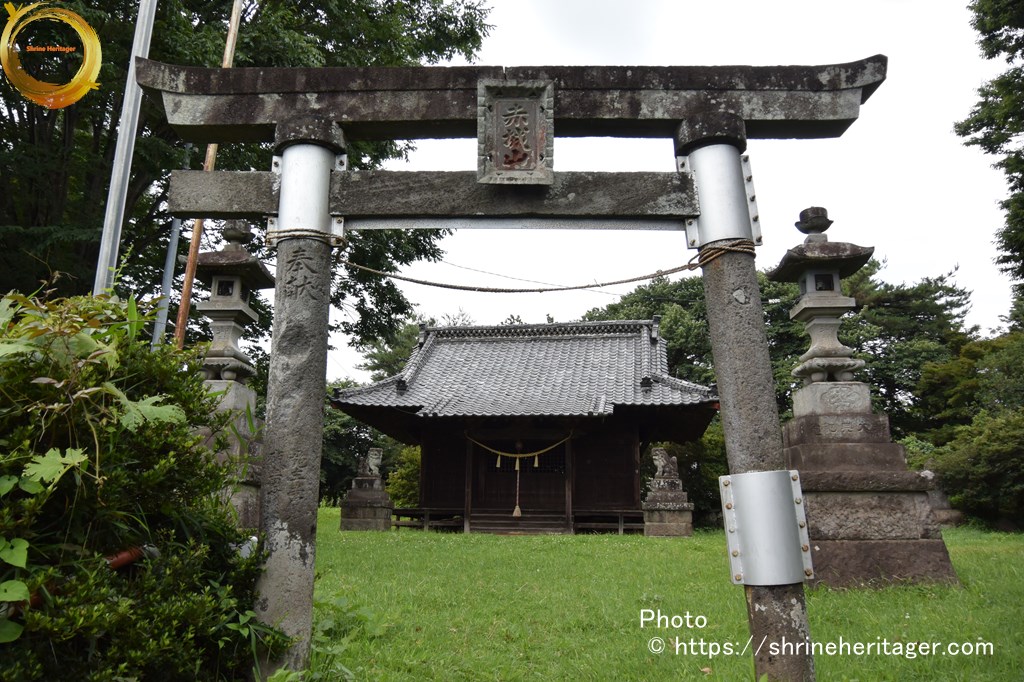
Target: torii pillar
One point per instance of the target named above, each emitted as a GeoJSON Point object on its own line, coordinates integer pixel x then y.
{"type": "Point", "coordinates": [308, 152]}
{"type": "Point", "coordinates": [712, 148]}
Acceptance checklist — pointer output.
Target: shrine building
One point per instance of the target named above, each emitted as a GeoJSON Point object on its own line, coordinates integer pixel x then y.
{"type": "Point", "coordinates": [534, 427]}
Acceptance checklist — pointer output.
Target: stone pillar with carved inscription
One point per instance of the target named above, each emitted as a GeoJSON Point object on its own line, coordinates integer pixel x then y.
{"type": "Point", "coordinates": [304, 233]}
{"type": "Point", "coordinates": [711, 146]}
{"type": "Point", "coordinates": [869, 516]}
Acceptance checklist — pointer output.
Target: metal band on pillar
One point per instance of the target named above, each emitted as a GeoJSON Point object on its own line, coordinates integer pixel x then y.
{"type": "Point", "coordinates": [712, 149]}
{"type": "Point", "coordinates": [304, 166]}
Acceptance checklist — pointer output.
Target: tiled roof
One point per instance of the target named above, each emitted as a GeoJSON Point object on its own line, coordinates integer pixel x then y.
{"type": "Point", "coordinates": [580, 369]}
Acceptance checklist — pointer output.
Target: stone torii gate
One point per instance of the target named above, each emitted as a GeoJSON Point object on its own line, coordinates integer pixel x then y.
{"type": "Point", "coordinates": [309, 197]}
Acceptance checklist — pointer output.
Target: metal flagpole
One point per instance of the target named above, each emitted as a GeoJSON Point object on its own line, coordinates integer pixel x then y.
{"type": "Point", "coordinates": [208, 165]}
{"type": "Point", "coordinates": [128, 128]}
{"type": "Point", "coordinates": [160, 326]}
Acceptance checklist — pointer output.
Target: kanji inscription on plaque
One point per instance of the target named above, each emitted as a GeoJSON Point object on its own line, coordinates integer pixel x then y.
{"type": "Point", "coordinates": [515, 132]}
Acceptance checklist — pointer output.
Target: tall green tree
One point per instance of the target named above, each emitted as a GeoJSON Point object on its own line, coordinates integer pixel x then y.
{"type": "Point", "coordinates": [982, 468]}
{"type": "Point", "coordinates": [978, 398]}
{"type": "Point", "coordinates": [996, 123]}
{"type": "Point", "coordinates": [684, 326]}
{"type": "Point", "coordinates": [985, 375]}
{"type": "Point", "coordinates": [899, 329]}
{"type": "Point", "coordinates": [896, 328]}
{"type": "Point", "coordinates": [386, 357]}
{"type": "Point", "coordinates": [55, 164]}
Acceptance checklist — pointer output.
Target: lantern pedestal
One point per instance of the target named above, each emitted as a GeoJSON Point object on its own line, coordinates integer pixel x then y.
{"type": "Point", "coordinates": [869, 518]}
{"type": "Point", "coordinates": [232, 274]}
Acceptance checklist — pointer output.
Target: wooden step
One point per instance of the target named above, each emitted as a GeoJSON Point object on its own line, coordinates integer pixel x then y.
{"type": "Point", "coordinates": [527, 524]}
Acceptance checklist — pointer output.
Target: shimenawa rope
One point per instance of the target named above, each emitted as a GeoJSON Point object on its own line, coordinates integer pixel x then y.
{"type": "Point", "coordinates": [517, 512]}
{"type": "Point", "coordinates": [705, 256]}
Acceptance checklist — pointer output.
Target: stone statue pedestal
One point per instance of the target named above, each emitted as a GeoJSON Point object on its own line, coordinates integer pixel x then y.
{"type": "Point", "coordinates": [869, 517]}
{"type": "Point", "coordinates": [667, 511]}
{"type": "Point", "coordinates": [366, 506]}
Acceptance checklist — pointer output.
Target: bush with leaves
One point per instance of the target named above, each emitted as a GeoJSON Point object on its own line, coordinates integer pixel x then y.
{"type": "Point", "coordinates": [982, 468]}
{"type": "Point", "coordinates": [99, 455]}
{"type": "Point", "coordinates": [404, 482]}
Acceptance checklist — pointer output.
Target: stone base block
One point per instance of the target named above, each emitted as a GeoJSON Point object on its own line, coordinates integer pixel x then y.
{"type": "Point", "coordinates": [366, 483]}
{"type": "Point", "coordinates": [366, 498]}
{"type": "Point", "coordinates": [948, 517]}
{"type": "Point", "coordinates": [874, 481]}
{"type": "Point", "coordinates": [942, 513]}
{"type": "Point", "coordinates": [832, 397]}
{"type": "Point", "coordinates": [837, 428]}
{"type": "Point", "coordinates": [366, 524]}
{"type": "Point", "coordinates": [668, 523]}
{"type": "Point", "coordinates": [366, 506]}
{"type": "Point", "coordinates": [233, 395]}
{"type": "Point", "coordinates": [856, 563]}
{"type": "Point", "coordinates": [246, 501]}
{"type": "Point", "coordinates": [846, 457]}
{"type": "Point", "coordinates": [671, 502]}
{"type": "Point", "coordinates": [869, 516]}
{"type": "Point", "coordinates": [365, 517]}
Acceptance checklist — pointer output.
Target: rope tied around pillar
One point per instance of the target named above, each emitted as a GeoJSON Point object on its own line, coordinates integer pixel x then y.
{"type": "Point", "coordinates": [275, 236]}
{"type": "Point", "coordinates": [710, 253]}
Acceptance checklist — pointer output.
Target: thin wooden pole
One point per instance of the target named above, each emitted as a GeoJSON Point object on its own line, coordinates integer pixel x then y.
{"type": "Point", "coordinates": [208, 165]}
{"type": "Point", "coordinates": [570, 477]}
{"type": "Point", "coordinates": [468, 501]}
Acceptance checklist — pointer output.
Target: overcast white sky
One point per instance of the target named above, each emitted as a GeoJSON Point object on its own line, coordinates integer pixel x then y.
{"type": "Point", "coordinates": [898, 179]}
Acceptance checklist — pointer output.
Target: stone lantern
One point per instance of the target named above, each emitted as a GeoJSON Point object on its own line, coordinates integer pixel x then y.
{"type": "Point", "coordinates": [869, 518]}
{"type": "Point", "coordinates": [232, 274]}
{"type": "Point", "coordinates": [818, 266]}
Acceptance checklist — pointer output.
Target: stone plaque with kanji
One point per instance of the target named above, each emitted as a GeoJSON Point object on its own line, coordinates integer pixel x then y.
{"type": "Point", "coordinates": [515, 132]}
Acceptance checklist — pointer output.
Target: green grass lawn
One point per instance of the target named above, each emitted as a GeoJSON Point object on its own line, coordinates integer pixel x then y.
{"type": "Point", "coordinates": [436, 606]}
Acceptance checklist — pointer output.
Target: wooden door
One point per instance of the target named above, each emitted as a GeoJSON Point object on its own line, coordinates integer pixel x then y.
{"type": "Point", "coordinates": [541, 480]}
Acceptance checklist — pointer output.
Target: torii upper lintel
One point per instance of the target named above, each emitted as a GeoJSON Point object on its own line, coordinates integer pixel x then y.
{"type": "Point", "coordinates": [387, 103]}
